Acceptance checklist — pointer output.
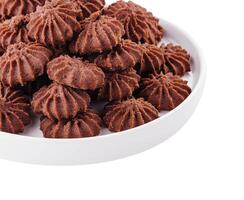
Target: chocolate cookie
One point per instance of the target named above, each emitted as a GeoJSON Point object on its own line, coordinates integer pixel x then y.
{"type": "Point", "coordinates": [22, 63]}
{"type": "Point", "coordinates": [98, 36]}
{"type": "Point", "coordinates": [120, 116]}
{"type": "Point", "coordinates": [90, 6]}
{"type": "Point", "coordinates": [177, 60]}
{"type": "Point", "coordinates": [165, 92]}
{"type": "Point", "coordinates": [152, 60]}
{"type": "Point", "coordinates": [9, 8]}
{"type": "Point", "coordinates": [13, 31]}
{"type": "Point", "coordinates": [125, 55]}
{"type": "Point", "coordinates": [55, 23]}
{"type": "Point", "coordinates": [60, 102]}
{"type": "Point", "coordinates": [119, 85]}
{"type": "Point", "coordinates": [14, 110]}
{"type": "Point", "coordinates": [140, 25]}
{"type": "Point", "coordinates": [84, 125]}
{"type": "Point", "coordinates": [75, 73]}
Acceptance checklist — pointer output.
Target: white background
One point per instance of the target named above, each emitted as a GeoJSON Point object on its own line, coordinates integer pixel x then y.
{"type": "Point", "coordinates": [203, 161]}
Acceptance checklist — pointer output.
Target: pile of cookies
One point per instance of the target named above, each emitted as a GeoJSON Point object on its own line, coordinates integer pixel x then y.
{"type": "Point", "coordinates": [58, 56]}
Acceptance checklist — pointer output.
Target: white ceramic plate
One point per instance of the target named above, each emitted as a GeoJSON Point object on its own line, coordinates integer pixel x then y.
{"type": "Point", "coordinates": [31, 147]}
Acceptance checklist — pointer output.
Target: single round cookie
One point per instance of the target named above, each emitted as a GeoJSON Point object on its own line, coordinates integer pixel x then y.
{"type": "Point", "coordinates": [125, 55]}
{"type": "Point", "coordinates": [100, 33]}
{"type": "Point", "coordinates": [9, 8]}
{"type": "Point", "coordinates": [86, 124]}
{"type": "Point", "coordinates": [13, 31]}
{"type": "Point", "coordinates": [119, 85]}
{"type": "Point", "coordinates": [89, 7]}
{"type": "Point", "coordinates": [22, 63]}
{"type": "Point", "coordinates": [177, 60]}
{"type": "Point", "coordinates": [75, 73]}
{"type": "Point", "coordinates": [60, 102]}
{"type": "Point", "coordinates": [165, 92]}
{"type": "Point", "coordinates": [55, 23]}
{"type": "Point", "coordinates": [120, 116]}
{"type": "Point", "coordinates": [140, 25]}
{"type": "Point", "coordinates": [152, 60]}
{"type": "Point", "coordinates": [14, 110]}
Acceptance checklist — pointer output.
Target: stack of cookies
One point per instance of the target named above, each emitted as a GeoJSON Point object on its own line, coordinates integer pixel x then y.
{"type": "Point", "coordinates": [59, 55]}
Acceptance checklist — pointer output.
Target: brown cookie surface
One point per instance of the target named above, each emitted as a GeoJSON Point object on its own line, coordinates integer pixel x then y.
{"type": "Point", "coordinates": [14, 110]}
{"type": "Point", "coordinates": [10, 8]}
{"type": "Point", "coordinates": [13, 31]}
{"type": "Point", "coordinates": [90, 6]}
{"type": "Point", "coordinates": [120, 116]}
{"type": "Point", "coordinates": [98, 35]}
{"type": "Point", "coordinates": [87, 124]}
{"type": "Point", "coordinates": [75, 73]}
{"type": "Point", "coordinates": [165, 92]}
{"type": "Point", "coordinates": [60, 102]}
{"type": "Point", "coordinates": [177, 60]}
{"type": "Point", "coordinates": [140, 25]}
{"type": "Point", "coordinates": [22, 63]}
{"type": "Point", "coordinates": [125, 55]}
{"type": "Point", "coordinates": [152, 60]}
{"type": "Point", "coordinates": [119, 85]}
{"type": "Point", "coordinates": [54, 23]}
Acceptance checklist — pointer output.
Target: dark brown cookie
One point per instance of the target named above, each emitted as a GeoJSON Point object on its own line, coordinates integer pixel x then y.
{"type": "Point", "coordinates": [177, 60]}
{"type": "Point", "coordinates": [92, 18]}
{"type": "Point", "coordinates": [60, 102]}
{"type": "Point", "coordinates": [90, 6]}
{"type": "Point", "coordinates": [119, 85]}
{"type": "Point", "coordinates": [165, 92]}
{"type": "Point", "coordinates": [140, 25]}
{"type": "Point", "coordinates": [9, 8]}
{"type": "Point", "coordinates": [75, 73]}
{"type": "Point", "coordinates": [55, 23]}
{"type": "Point", "coordinates": [125, 55]}
{"type": "Point", "coordinates": [14, 110]}
{"type": "Point", "coordinates": [22, 63]}
{"type": "Point", "coordinates": [84, 125]}
{"type": "Point", "coordinates": [13, 31]}
{"type": "Point", "coordinates": [98, 36]}
{"type": "Point", "coordinates": [120, 116]}
{"type": "Point", "coordinates": [152, 60]}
